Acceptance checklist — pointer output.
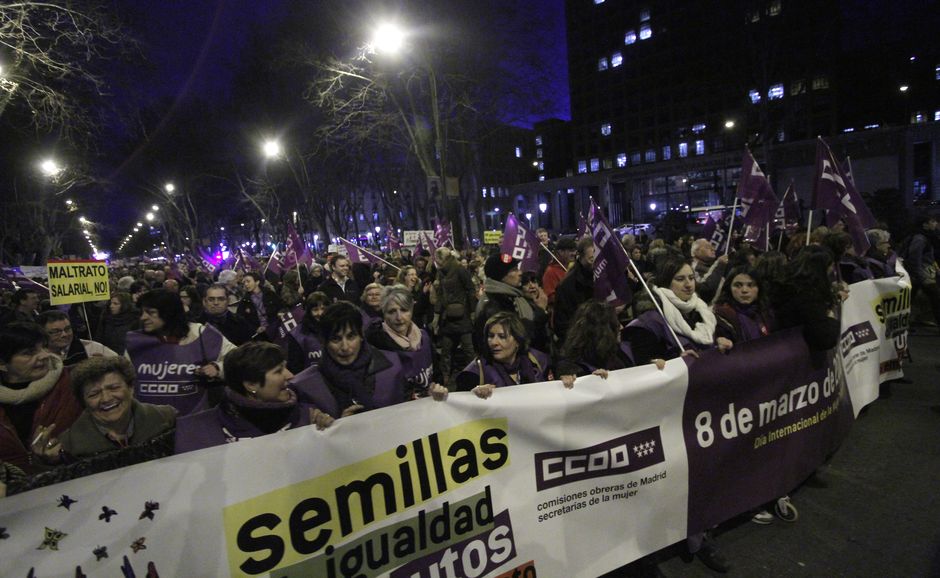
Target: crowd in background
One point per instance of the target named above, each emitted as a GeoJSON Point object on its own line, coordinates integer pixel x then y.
{"type": "Point", "coordinates": [183, 359]}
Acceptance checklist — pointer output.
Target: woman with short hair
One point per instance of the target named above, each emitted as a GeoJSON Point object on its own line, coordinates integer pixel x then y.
{"type": "Point", "coordinates": [400, 334]}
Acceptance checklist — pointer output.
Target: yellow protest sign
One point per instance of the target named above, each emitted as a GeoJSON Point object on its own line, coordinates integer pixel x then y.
{"type": "Point", "coordinates": [78, 282]}
{"type": "Point", "coordinates": [492, 237]}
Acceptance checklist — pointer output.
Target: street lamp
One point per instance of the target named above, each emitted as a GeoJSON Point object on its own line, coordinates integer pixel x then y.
{"type": "Point", "coordinates": [729, 124]}
{"type": "Point", "coordinates": [903, 88]}
{"type": "Point", "coordinates": [169, 188]}
{"type": "Point", "coordinates": [154, 208]}
{"type": "Point", "coordinates": [271, 149]}
{"type": "Point", "coordinates": [149, 216]}
{"type": "Point", "coordinates": [388, 38]}
{"type": "Point", "coordinates": [50, 168]}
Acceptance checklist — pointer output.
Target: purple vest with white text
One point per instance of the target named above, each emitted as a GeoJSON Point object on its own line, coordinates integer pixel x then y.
{"type": "Point", "coordinates": [386, 387]}
{"type": "Point", "coordinates": [166, 371]}
{"type": "Point", "coordinates": [310, 344]}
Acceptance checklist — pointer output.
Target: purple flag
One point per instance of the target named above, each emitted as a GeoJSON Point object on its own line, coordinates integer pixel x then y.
{"type": "Point", "coordinates": [296, 251]}
{"type": "Point", "coordinates": [12, 278]}
{"type": "Point", "coordinates": [393, 242]}
{"type": "Point", "coordinates": [867, 219]}
{"type": "Point", "coordinates": [275, 265]}
{"type": "Point", "coordinates": [443, 234]}
{"type": "Point", "coordinates": [610, 262]}
{"type": "Point", "coordinates": [758, 201]}
{"type": "Point", "coordinates": [716, 231]}
{"type": "Point", "coordinates": [432, 246]}
{"type": "Point", "coordinates": [205, 260]}
{"type": "Point", "coordinates": [830, 193]}
{"type": "Point", "coordinates": [520, 243]}
{"type": "Point", "coordinates": [789, 211]}
{"type": "Point", "coordinates": [357, 254]}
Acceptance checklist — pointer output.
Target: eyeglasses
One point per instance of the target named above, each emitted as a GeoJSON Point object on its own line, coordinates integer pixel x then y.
{"type": "Point", "coordinates": [57, 332]}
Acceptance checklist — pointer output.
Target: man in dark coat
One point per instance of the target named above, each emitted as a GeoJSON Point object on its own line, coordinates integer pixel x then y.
{"type": "Point", "coordinates": [455, 298]}
{"type": "Point", "coordinates": [340, 286]}
{"type": "Point", "coordinates": [576, 288]}
{"type": "Point", "coordinates": [215, 312]}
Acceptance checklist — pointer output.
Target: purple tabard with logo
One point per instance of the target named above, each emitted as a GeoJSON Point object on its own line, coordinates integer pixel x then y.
{"type": "Point", "coordinates": [417, 366]}
{"type": "Point", "coordinates": [166, 371]}
{"type": "Point", "coordinates": [309, 344]}
{"type": "Point", "coordinates": [385, 387]}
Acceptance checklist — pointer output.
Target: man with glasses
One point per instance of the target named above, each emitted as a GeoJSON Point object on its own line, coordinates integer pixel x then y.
{"type": "Point", "coordinates": [64, 343]}
{"type": "Point", "coordinates": [216, 313]}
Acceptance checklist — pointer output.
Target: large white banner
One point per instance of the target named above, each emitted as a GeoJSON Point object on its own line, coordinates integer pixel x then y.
{"type": "Point", "coordinates": [573, 482]}
{"type": "Point", "coordinates": [875, 320]}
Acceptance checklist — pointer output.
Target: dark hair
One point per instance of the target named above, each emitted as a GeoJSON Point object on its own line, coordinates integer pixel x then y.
{"type": "Point", "coordinates": [726, 297]}
{"type": "Point", "coordinates": [336, 258]}
{"type": "Point", "coordinates": [95, 368]}
{"type": "Point", "coordinates": [583, 244]}
{"type": "Point", "coordinates": [22, 294]}
{"type": "Point", "coordinates": [20, 336]}
{"type": "Point", "coordinates": [808, 275]}
{"type": "Point", "coordinates": [838, 242]}
{"type": "Point", "coordinates": [137, 287]}
{"type": "Point", "coordinates": [216, 286]}
{"type": "Point", "coordinates": [256, 276]}
{"type": "Point", "coordinates": [339, 316]}
{"type": "Point", "coordinates": [127, 303]}
{"type": "Point", "coordinates": [771, 268]}
{"type": "Point", "coordinates": [51, 316]}
{"type": "Point", "coordinates": [531, 276]}
{"type": "Point", "coordinates": [511, 322]}
{"type": "Point", "coordinates": [314, 299]}
{"type": "Point", "coordinates": [250, 362]}
{"type": "Point", "coordinates": [594, 335]}
{"type": "Point", "coordinates": [666, 269]}
{"type": "Point", "coordinates": [170, 308]}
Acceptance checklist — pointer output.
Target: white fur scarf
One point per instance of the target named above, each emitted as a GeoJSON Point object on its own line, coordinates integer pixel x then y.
{"type": "Point", "coordinates": [673, 308]}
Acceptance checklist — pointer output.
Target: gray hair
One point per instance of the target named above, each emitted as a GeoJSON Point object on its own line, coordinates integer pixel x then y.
{"type": "Point", "coordinates": [227, 276]}
{"type": "Point", "coordinates": [876, 236]}
{"type": "Point", "coordinates": [397, 295]}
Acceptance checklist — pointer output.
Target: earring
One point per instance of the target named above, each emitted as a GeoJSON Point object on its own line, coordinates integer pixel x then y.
{"type": "Point", "coordinates": [254, 392]}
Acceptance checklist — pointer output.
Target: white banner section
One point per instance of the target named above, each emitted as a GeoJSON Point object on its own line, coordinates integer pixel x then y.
{"type": "Point", "coordinates": [875, 321]}
{"type": "Point", "coordinates": [569, 483]}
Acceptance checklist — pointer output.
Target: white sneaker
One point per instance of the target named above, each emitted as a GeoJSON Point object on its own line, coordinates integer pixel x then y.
{"type": "Point", "coordinates": [763, 517]}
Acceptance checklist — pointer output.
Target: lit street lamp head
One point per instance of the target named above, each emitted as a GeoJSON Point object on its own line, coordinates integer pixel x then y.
{"type": "Point", "coordinates": [149, 216]}
{"type": "Point", "coordinates": [49, 168]}
{"type": "Point", "coordinates": [271, 149]}
{"type": "Point", "coordinates": [169, 187]}
{"type": "Point", "coordinates": [387, 39]}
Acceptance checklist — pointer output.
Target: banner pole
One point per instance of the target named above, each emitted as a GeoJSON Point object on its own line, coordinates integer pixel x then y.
{"type": "Point", "coordinates": [734, 209]}
{"type": "Point", "coordinates": [371, 253]}
{"type": "Point", "coordinates": [809, 226]}
{"type": "Point", "coordinates": [87, 324]}
{"type": "Point", "coordinates": [563, 266]}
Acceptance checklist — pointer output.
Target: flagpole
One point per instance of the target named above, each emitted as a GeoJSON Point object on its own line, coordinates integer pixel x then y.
{"type": "Point", "coordinates": [767, 239]}
{"type": "Point", "coordinates": [371, 253]}
{"type": "Point", "coordinates": [783, 202]}
{"type": "Point", "coordinates": [557, 260]}
{"type": "Point", "coordinates": [268, 264]}
{"type": "Point", "coordinates": [734, 209]}
{"type": "Point", "coordinates": [809, 226]}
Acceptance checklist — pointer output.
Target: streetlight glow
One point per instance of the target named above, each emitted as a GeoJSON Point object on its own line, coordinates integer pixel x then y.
{"type": "Point", "coordinates": [387, 38]}
{"type": "Point", "coordinates": [543, 207]}
{"type": "Point", "coordinates": [903, 88]}
{"type": "Point", "coordinates": [50, 168]}
{"type": "Point", "coordinates": [729, 124]}
{"type": "Point", "coordinates": [271, 148]}
{"type": "Point", "coordinates": [154, 208]}
{"type": "Point", "coordinates": [169, 187]}
{"type": "Point", "coordinates": [149, 216]}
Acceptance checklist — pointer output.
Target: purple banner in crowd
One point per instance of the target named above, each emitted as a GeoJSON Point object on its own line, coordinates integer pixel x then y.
{"type": "Point", "coordinates": [754, 431]}
{"type": "Point", "coordinates": [834, 195]}
{"type": "Point", "coordinates": [521, 243]}
{"type": "Point", "coordinates": [758, 201]}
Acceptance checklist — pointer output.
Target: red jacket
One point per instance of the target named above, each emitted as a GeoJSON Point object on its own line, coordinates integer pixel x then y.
{"type": "Point", "coordinates": [554, 273]}
{"type": "Point", "coordinates": [58, 406]}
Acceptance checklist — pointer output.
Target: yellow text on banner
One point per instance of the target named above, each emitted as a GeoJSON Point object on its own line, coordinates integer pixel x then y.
{"type": "Point", "coordinates": [492, 237]}
{"type": "Point", "coordinates": [78, 282]}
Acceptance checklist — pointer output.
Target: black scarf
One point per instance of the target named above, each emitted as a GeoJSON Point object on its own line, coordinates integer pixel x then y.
{"type": "Point", "coordinates": [523, 366]}
{"type": "Point", "coordinates": [345, 380]}
{"type": "Point", "coordinates": [267, 416]}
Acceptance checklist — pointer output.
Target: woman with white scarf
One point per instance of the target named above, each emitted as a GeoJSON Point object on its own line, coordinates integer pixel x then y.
{"type": "Point", "coordinates": [687, 315]}
{"type": "Point", "coordinates": [398, 333]}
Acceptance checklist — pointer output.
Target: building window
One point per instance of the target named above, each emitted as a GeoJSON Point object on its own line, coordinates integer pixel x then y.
{"type": "Point", "coordinates": [541, 165]}
{"type": "Point", "coordinates": [651, 156]}
{"type": "Point", "coordinates": [871, 126]}
{"type": "Point", "coordinates": [754, 16]}
{"type": "Point", "coordinates": [621, 160]}
{"type": "Point", "coordinates": [781, 135]}
{"type": "Point", "coordinates": [608, 163]}
{"type": "Point", "coordinates": [699, 147]}
{"type": "Point", "coordinates": [602, 63]}
{"type": "Point", "coordinates": [644, 15]}
{"type": "Point", "coordinates": [629, 37]}
{"type": "Point", "coordinates": [773, 9]}
{"type": "Point", "coordinates": [918, 117]}
{"type": "Point", "coordinates": [541, 177]}
{"type": "Point", "coordinates": [518, 152]}
{"type": "Point", "coordinates": [698, 128]}
{"type": "Point", "coordinates": [645, 32]}
{"type": "Point", "coordinates": [936, 115]}
{"type": "Point", "coordinates": [683, 150]}
{"type": "Point", "coordinates": [797, 87]}
{"type": "Point", "coordinates": [820, 83]}
{"type": "Point", "coordinates": [595, 165]}
{"type": "Point", "coordinates": [635, 158]}
{"type": "Point", "coordinates": [616, 60]}
{"type": "Point", "coordinates": [754, 95]}
{"type": "Point", "coordinates": [538, 153]}
{"type": "Point", "coordinates": [582, 167]}
{"type": "Point", "coordinates": [775, 92]}
{"type": "Point", "coordinates": [605, 129]}
{"type": "Point", "coordinates": [598, 1]}
{"type": "Point", "coordinates": [936, 71]}
{"type": "Point", "coordinates": [667, 152]}
{"type": "Point", "coordinates": [538, 140]}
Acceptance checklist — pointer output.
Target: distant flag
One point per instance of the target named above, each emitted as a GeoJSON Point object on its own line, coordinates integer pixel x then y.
{"type": "Point", "coordinates": [394, 244]}
{"type": "Point", "coordinates": [520, 243]}
{"type": "Point", "coordinates": [296, 251]}
{"type": "Point", "coordinates": [610, 262]}
{"type": "Point", "coordinates": [443, 233]}
{"type": "Point", "coordinates": [867, 219]}
{"type": "Point", "coordinates": [758, 201]}
{"type": "Point", "coordinates": [275, 266]}
{"type": "Point", "coordinates": [432, 246]}
{"type": "Point", "coordinates": [788, 211]}
{"type": "Point", "coordinates": [357, 254]}
{"type": "Point", "coordinates": [831, 193]}
{"type": "Point", "coordinates": [466, 239]}
{"type": "Point", "coordinates": [716, 231]}
{"type": "Point", "coordinates": [206, 261]}
{"type": "Point", "coordinates": [418, 246]}
{"type": "Point", "coordinates": [12, 278]}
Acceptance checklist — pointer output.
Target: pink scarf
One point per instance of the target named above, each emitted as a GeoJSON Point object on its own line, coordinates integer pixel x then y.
{"type": "Point", "coordinates": [410, 341]}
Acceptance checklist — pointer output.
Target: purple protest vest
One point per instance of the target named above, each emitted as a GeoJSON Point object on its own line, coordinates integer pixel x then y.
{"type": "Point", "coordinates": [491, 375]}
{"type": "Point", "coordinates": [215, 426]}
{"type": "Point", "coordinates": [417, 366]}
{"type": "Point", "coordinates": [166, 371]}
{"type": "Point", "coordinates": [310, 344]}
{"type": "Point", "coordinates": [653, 322]}
{"type": "Point", "coordinates": [383, 388]}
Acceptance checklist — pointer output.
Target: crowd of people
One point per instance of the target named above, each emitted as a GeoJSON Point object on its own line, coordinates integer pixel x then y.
{"type": "Point", "coordinates": [179, 359]}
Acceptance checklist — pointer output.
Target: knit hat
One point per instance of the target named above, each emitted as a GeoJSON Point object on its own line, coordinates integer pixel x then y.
{"type": "Point", "coordinates": [498, 266]}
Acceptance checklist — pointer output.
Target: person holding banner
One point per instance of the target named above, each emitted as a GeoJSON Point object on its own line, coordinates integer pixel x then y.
{"type": "Point", "coordinates": [36, 401]}
{"type": "Point", "coordinates": [880, 259]}
{"type": "Point", "coordinates": [593, 344]}
{"type": "Point", "coordinates": [175, 360]}
{"type": "Point", "coordinates": [506, 359]}
{"type": "Point", "coordinates": [398, 333]}
{"type": "Point", "coordinates": [352, 375]}
{"type": "Point", "coordinates": [684, 314]}
{"type": "Point", "coordinates": [258, 401]}
{"type": "Point", "coordinates": [64, 343]}
{"type": "Point", "coordinates": [304, 347]}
